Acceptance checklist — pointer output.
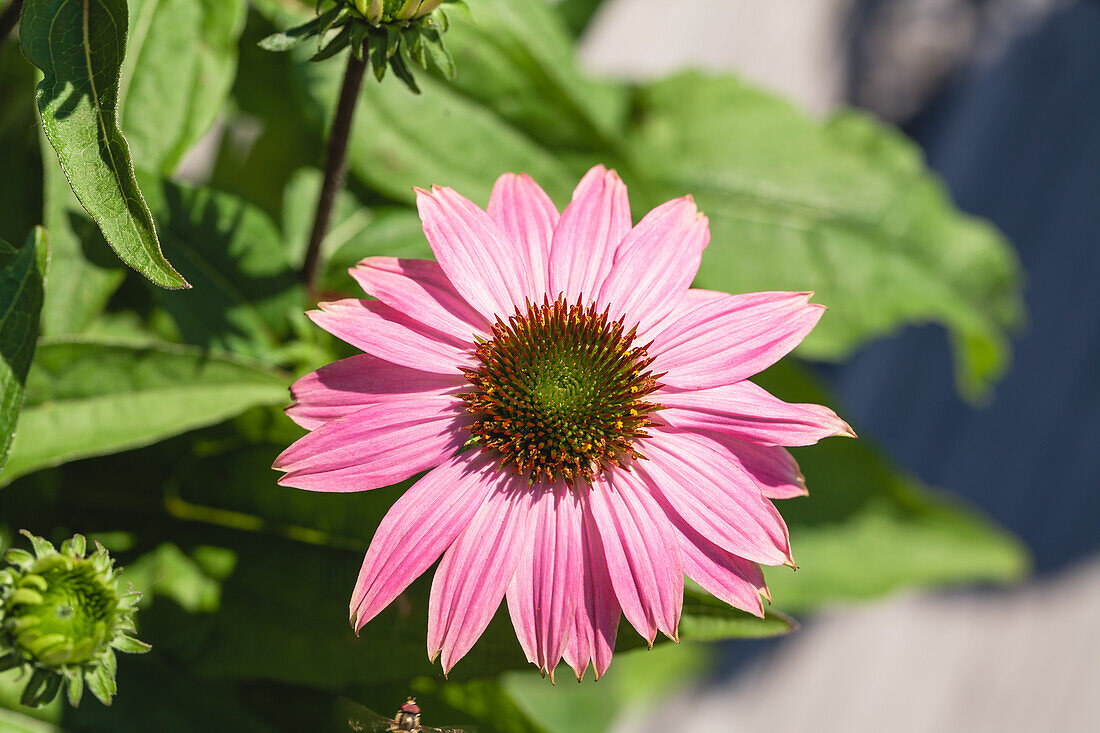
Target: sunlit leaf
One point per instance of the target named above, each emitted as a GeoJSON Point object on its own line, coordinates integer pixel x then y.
{"type": "Point", "coordinates": [845, 208]}
{"type": "Point", "coordinates": [87, 398]}
{"type": "Point", "coordinates": [79, 46]}
{"type": "Point", "coordinates": [181, 59]}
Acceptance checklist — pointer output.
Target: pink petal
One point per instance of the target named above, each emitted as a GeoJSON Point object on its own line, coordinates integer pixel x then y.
{"type": "Point", "coordinates": [527, 217]}
{"type": "Point", "coordinates": [596, 622]}
{"type": "Point", "coordinates": [346, 386]}
{"type": "Point", "coordinates": [772, 467]}
{"type": "Point", "coordinates": [656, 263]}
{"type": "Point", "coordinates": [477, 569]}
{"type": "Point", "coordinates": [751, 413]}
{"type": "Point", "coordinates": [378, 329]}
{"type": "Point", "coordinates": [419, 527]}
{"type": "Point", "coordinates": [706, 488]}
{"type": "Point", "coordinates": [587, 237]}
{"type": "Point", "coordinates": [692, 299]}
{"type": "Point", "coordinates": [724, 575]}
{"type": "Point", "coordinates": [640, 551]}
{"type": "Point", "coordinates": [420, 290]}
{"type": "Point", "coordinates": [490, 272]}
{"type": "Point", "coordinates": [376, 446]}
{"type": "Point", "coordinates": [733, 338]}
{"type": "Point", "coordinates": [542, 599]}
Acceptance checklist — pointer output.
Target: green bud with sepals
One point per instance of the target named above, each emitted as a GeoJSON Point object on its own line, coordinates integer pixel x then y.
{"type": "Point", "coordinates": [62, 618]}
{"type": "Point", "coordinates": [390, 34]}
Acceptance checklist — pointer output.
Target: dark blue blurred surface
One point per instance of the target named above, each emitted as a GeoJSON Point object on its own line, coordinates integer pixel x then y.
{"type": "Point", "coordinates": [1017, 142]}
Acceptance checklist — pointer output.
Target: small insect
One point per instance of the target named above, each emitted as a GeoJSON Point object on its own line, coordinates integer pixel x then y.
{"type": "Point", "coordinates": [407, 720]}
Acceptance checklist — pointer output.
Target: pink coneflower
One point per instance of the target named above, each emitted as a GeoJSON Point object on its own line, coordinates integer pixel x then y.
{"type": "Point", "coordinates": [613, 442]}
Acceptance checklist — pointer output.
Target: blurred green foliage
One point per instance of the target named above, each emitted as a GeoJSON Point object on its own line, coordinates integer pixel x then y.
{"type": "Point", "coordinates": [153, 417]}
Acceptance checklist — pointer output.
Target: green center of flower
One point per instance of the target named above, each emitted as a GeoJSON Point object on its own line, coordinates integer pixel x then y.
{"type": "Point", "coordinates": [560, 392]}
{"type": "Point", "coordinates": [69, 615]}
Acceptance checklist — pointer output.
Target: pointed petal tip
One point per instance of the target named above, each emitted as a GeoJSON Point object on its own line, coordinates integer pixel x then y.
{"type": "Point", "coordinates": [789, 562]}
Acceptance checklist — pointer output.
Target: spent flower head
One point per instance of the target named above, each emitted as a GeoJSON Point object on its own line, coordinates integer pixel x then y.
{"type": "Point", "coordinates": [389, 34]}
{"type": "Point", "coordinates": [586, 419]}
{"type": "Point", "coordinates": [62, 617]}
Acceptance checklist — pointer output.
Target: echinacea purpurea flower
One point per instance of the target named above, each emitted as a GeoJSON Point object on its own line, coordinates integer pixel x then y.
{"type": "Point", "coordinates": [585, 418]}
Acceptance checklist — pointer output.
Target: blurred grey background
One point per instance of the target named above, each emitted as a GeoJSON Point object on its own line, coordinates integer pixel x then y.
{"type": "Point", "coordinates": [1003, 97]}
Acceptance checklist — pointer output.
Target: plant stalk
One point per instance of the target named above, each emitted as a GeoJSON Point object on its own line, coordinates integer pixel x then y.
{"type": "Point", "coordinates": [335, 167]}
{"type": "Point", "coordinates": [9, 18]}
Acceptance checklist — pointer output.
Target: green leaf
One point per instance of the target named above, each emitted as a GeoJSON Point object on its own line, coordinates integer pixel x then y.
{"type": "Point", "coordinates": [233, 255]}
{"type": "Point", "coordinates": [181, 59]}
{"type": "Point", "coordinates": [845, 208]}
{"type": "Point", "coordinates": [87, 398]}
{"type": "Point", "coordinates": [517, 59]}
{"type": "Point", "coordinates": [79, 46]}
{"type": "Point", "coordinates": [83, 273]}
{"type": "Point", "coordinates": [21, 275]}
{"type": "Point", "coordinates": [866, 530]}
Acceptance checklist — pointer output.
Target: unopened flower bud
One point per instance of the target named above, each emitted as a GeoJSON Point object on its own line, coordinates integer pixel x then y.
{"type": "Point", "coordinates": [387, 34]}
{"type": "Point", "coordinates": [387, 11]}
{"type": "Point", "coordinates": [62, 618]}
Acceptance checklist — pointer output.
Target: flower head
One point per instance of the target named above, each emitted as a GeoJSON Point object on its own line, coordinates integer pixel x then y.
{"type": "Point", "coordinates": [585, 417]}
{"type": "Point", "coordinates": [61, 619]}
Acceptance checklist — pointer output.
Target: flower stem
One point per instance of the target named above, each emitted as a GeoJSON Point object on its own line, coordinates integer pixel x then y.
{"type": "Point", "coordinates": [9, 18]}
{"type": "Point", "coordinates": [335, 166]}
